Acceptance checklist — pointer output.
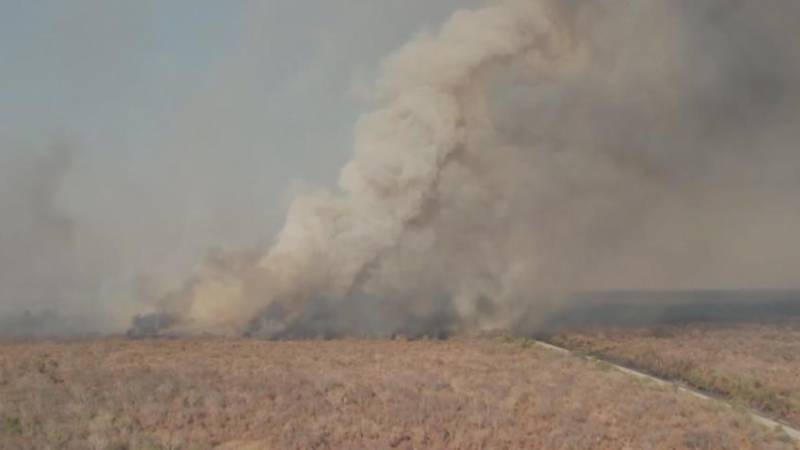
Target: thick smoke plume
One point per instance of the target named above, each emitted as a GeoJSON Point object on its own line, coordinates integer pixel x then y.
{"type": "Point", "coordinates": [531, 148]}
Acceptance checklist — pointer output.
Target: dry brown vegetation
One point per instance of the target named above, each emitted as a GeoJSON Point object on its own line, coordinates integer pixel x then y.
{"type": "Point", "coordinates": [246, 394]}
{"type": "Point", "coordinates": [755, 364]}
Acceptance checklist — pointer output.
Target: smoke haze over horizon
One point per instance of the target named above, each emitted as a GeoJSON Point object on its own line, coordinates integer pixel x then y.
{"type": "Point", "coordinates": [525, 149]}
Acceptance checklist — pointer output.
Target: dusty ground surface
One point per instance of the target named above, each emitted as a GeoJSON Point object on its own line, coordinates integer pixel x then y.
{"type": "Point", "coordinates": [756, 364]}
{"type": "Point", "coordinates": [244, 394]}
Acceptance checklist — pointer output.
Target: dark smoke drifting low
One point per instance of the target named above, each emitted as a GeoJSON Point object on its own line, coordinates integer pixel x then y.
{"type": "Point", "coordinates": [532, 148]}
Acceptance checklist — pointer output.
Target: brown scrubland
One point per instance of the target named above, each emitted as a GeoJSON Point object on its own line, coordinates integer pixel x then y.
{"type": "Point", "coordinates": [236, 394]}
{"type": "Point", "coordinates": [755, 364]}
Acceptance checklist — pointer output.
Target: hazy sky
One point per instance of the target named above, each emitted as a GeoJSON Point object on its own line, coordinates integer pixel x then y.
{"type": "Point", "coordinates": [137, 135]}
{"type": "Point", "coordinates": [155, 130]}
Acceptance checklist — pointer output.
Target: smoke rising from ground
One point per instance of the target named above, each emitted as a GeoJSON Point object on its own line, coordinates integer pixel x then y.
{"type": "Point", "coordinates": [48, 258]}
{"type": "Point", "coordinates": [185, 123]}
{"type": "Point", "coordinates": [526, 150]}
{"type": "Point", "coordinates": [531, 148]}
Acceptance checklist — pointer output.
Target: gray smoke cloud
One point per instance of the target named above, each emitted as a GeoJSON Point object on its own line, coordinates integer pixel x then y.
{"type": "Point", "coordinates": [525, 150]}
{"type": "Point", "coordinates": [186, 123]}
{"type": "Point", "coordinates": [531, 148]}
{"type": "Point", "coordinates": [48, 258]}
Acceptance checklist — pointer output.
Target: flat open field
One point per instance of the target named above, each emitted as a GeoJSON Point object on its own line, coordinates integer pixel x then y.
{"type": "Point", "coordinates": [754, 363]}
{"type": "Point", "coordinates": [247, 394]}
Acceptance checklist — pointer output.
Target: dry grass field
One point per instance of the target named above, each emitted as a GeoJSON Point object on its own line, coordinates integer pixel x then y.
{"type": "Point", "coordinates": [755, 364]}
{"type": "Point", "coordinates": [245, 395]}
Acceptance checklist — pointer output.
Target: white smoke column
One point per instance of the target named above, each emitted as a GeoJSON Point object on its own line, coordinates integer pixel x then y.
{"type": "Point", "coordinates": [532, 149]}
{"type": "Point", "coordinates": [331, 240]}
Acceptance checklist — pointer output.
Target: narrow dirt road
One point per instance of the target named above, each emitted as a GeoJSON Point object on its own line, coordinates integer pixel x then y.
{"type": "Point", "coordinates": [790, 431]}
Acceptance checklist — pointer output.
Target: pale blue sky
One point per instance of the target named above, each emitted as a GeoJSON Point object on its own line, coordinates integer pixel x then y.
{"type": "Point", "coordinates": [81, 64]}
